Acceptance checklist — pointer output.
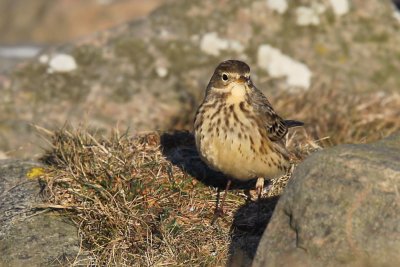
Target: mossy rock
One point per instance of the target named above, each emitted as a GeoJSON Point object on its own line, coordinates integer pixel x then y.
{"type": "Point", "coordinates": [27, 235]}
{"type": "Point", "coordinates": [117, 79]}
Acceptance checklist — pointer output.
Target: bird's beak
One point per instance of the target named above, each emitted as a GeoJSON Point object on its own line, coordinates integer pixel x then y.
{"type": "Point", "coordinates": [242, 79]}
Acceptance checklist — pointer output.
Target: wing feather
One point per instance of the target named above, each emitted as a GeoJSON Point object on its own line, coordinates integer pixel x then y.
{"type": "Point", "coordinates": [277, 129]}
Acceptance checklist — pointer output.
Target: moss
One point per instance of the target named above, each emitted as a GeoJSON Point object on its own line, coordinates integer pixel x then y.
{"type": "Point", "coordinates": [366, 33]}
{"type": "Point", "coordinates": [381, 76]}
{"type": "Point", "coordinates": [380, 37]}
{"type": "Point", "coordinates": [134, 49]}
{"type": "Point", "coordinates": [344, 49]}
{"type": "Point", "coordinates": [52, 87]}
{"type": "Point", "coordinates": [182, 54]}
{"type": "Point", "coordinates": [201, 23]}
{"type": "Point", "coordinates": [330, 18]}
{"type": "Point", "coordinates": [124, 91]}
{"type": "Point", "coordinates": [321, 49]}
{"type": "Point", "coordinates": [258, 29]}
{"type": "Point", "coordinates": [87, 55]}
{"type": "Point", "coordinates": [364, 36]}
{"type": "Point", "coordinates": [290, 32]}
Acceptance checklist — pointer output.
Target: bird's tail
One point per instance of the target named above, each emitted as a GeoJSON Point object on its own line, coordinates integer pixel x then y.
{"type": "Point", "coordinates": [293, 123]}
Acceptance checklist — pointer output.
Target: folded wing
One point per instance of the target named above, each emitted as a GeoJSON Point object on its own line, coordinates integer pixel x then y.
{"type": "Point", "coordinates": [276, 126]}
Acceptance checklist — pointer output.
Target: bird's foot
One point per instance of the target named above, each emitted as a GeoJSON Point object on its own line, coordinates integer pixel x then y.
{"type": "Point", "coordinates": [219, 212]}
{"type": "Point", "coordinates": [260, 186]}
{"type": "Point", "coordinates": [248, 195]}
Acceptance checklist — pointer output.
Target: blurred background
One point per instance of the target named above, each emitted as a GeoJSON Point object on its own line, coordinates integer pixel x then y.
{"type": "Point", "coordinates": [143, 65]}
{"type": "Point", "coordinates": [28, 26]}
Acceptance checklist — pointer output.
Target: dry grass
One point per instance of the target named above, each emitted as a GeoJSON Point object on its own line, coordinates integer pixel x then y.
{"type": "Point", "coordinates": [148, 200]}
{"type": "Point", "coordinates": [341, 117]}
{"type": "Point", "coordinates": [132, 206]}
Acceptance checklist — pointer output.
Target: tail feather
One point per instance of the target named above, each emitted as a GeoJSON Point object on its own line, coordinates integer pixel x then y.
{"type": "Point", "coordinates": [293, 123]}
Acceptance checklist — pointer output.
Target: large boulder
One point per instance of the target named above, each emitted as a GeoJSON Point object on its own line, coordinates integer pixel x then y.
{"type": "Point", "coordinates": [341, 208]}
{"type": "Point", "coordinates": [151, 74]}
{"type": "Point", "coordinates": [29, 237]}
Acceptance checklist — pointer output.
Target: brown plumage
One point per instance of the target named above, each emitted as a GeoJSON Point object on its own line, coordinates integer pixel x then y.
{"type": "Point", "coordinates": [236, 129]}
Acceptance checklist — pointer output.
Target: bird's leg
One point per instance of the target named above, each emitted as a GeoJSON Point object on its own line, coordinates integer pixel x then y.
{"type": "Point", "coordinates": [217, 202]}
{"type": "Point", "coordinates": [259, 186]}
{"type": "Point", "coordinates": [220, 209]}
{"type": "Point", "coordinates": [228, 184]}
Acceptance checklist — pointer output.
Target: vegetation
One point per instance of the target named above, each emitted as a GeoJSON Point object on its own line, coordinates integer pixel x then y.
{"type": "Point", "coordinates": [148, 200]}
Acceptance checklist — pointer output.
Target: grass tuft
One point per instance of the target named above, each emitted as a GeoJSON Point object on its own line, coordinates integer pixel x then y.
{"type": "Point", "coordinates": [133, 206]}
{"type": "Point", "coordinates": [335, 117]}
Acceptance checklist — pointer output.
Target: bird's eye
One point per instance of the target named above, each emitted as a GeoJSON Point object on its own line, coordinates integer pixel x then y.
{"type": "Point", "coordinates": [224, 77]}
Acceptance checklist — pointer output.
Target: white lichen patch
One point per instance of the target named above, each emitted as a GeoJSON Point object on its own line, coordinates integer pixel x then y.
{"type": "Point", "coordinates": [44, 59]}
{"type": "Point", "coordinates": [278, 65]}
{"type": "Point", "coordinates": [62, 63]}
{"type": "Point", "coordinates": [279, 6]}
{"type": "Point", "coordinates": [161, 72]}
{"type": "Point", "coordinates": [212, 44]}
{"type": "Point", "coordinates": [340, 7]}
{"type": "Point", "coordinates": [396, 15]}
{"type": "Point", "coordinates": [306, 16]}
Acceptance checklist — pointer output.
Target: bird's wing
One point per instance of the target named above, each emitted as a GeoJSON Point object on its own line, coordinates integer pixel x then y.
{"type": "Point", "coordinates": [275, 125]}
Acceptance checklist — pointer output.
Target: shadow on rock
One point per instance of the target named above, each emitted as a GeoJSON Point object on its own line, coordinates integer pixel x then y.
{"type": "Point", "coordinates": [249, 223]}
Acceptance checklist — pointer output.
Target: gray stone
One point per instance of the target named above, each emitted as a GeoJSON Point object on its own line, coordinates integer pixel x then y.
{"type": "Point", "coordinates": [341, 208]}
{"type": "Point", "coordinates": [29, 237]}
{"type": "Point", "coordinates": [149, 74]}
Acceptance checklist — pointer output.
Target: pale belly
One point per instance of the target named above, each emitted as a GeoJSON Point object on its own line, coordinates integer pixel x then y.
{"type": "Point", "coordinates": [237, 155]}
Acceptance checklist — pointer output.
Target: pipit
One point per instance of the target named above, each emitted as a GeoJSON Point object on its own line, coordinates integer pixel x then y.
{"type": "Point", "coordinates": [237, 131]}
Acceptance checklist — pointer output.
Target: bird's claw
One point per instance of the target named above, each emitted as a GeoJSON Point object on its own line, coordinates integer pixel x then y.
{"type": "Point", "coordinates": [259, 187]}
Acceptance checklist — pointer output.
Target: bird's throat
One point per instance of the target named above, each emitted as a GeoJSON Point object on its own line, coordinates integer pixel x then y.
{"type": "Point", "coordinates": [237, 94]}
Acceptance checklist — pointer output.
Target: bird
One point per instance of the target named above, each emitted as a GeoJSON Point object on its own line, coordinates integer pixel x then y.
{"type": "Point", "coordinates": [236, 130]}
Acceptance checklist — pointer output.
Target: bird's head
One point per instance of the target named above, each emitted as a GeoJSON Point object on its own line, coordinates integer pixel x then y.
{"type": "Point", "coordinates": [231, 79]}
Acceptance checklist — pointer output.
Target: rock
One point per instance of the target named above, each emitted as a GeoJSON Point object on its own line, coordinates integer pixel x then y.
{"type": "Point", "coordinates": [341, 208]}
{"type": "Point", "coordinates": [60, 21]}
{"type": "Point", "coordinates": [121, 78]}
{"type": "Point", "coordinates": [27, 237]}
{"type": "Point", "coordinates": [41, 22]}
